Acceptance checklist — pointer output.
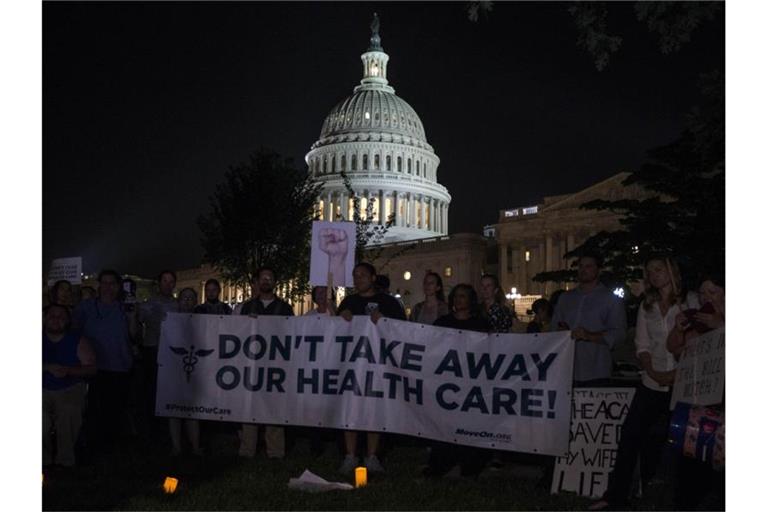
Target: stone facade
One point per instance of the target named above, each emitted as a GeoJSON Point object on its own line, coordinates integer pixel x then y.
{"type": "Point", "coordinates": [535, 238]}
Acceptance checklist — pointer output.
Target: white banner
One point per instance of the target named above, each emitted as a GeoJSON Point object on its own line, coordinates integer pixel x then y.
{"type": "Point", "coordinates": [501, 391]}
{"type": "Point", "coordinates": [700, 377]}
{"type": "Point", "coordinates": [69, 269]}
{"type": "Point", "coordinates": [597, 418]}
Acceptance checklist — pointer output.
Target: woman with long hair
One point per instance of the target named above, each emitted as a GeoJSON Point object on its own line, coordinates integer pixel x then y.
{"type": "Point", "coordinates": [664, 300]}
{"type": "Point", "coordinates": [493, 304]}
{"type": "Point", "coordinates": [433, 306]}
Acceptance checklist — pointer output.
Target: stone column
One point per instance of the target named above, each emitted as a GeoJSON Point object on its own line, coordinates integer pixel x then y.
{"type": "Point", "coordinates": [396, 206]}
{"type": "Point", "coordinates": [329, 206]}
{"type": "Point", "coordinates": [445, 218]}
{"type": "Point", "coordinates": [382, 207]}
{"type": "Point", "coordinates": [343, 202]}
{"type": "Point", "coordinates": [411, 210]}
{"type": "Point", "coordinates": [503, 271]}
{"type": "Point", "coordinates": [423, 220]}
{"type": "Point", "coordinates": [548, 257]}
{"type": "Point", "coordinates": [439, 217]}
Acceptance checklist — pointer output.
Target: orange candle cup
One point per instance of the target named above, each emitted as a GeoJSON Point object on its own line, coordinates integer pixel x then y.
{"type": "Point", "coordinates": [361, 476]}
{"type": "Point", "coordinates": [170, 484]}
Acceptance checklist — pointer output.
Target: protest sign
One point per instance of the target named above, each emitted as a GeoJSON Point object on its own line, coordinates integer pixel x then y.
{"type": "Point", "coordinates": [700, 377]}
{"type": "Point", "coordinates": [333, 253]}
{"type": "Point", "coordinates": [69, 269]}
{"type": "Point", "coordinates": [597, 416]}
{"type": "Point", "coordinates": [501, 391]}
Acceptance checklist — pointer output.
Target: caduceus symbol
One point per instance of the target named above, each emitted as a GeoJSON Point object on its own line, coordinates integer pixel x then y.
{"type": "Point", "coordinates": [190, 357]}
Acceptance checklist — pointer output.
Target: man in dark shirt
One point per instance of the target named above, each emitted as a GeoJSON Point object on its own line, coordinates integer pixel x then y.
{"type": "Point", "coordinates": [212, 304]}
{"type": "Point", "coordinates": [265, 303]}
{"type": "Point", "coordinates": [366, 302]}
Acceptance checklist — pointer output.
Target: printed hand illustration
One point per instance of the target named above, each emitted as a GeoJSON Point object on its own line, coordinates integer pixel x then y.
{"type": "Point", "coordinates": [335, 244]}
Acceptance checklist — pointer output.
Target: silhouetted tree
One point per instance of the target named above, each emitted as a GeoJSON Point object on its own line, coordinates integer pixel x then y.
{"type": "Point", "coordinates": [261, 215]}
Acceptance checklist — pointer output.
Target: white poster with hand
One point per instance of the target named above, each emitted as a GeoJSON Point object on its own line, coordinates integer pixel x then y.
{"type": "Point", "coordinates": [333, 253]}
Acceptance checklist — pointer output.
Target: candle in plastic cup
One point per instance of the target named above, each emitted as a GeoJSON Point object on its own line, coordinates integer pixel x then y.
{"type": "Point", "coordinates": [361, 476]}
{"type": "Point", "coordinates": [169, 486]}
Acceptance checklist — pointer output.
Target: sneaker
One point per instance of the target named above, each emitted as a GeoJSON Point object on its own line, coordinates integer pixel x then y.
{"type": "Point", "coordinates": [349, 464]}
{"type": "Point", "coordinates": [373, 464]}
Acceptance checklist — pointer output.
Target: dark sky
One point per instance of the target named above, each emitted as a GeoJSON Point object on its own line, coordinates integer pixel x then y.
{"type": "Point", "coordinates": [145, 105]}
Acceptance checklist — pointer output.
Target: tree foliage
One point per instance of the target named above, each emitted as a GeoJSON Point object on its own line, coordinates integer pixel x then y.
{"type": "Point", "coordinates": [672, 23]}
{"type": "Point", "coordinates": [261, 215]}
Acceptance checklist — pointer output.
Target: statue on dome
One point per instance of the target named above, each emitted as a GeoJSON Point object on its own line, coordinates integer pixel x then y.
{"type": "Point", "coordinates": [375, 38]}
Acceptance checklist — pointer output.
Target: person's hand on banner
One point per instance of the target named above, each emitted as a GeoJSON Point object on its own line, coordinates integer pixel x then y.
{"type": "Point", "coordinates": [376, 315]}
{"type": "Point", "coordinates": [346, 315]}
{"type": "Point", "coordinates": [562, 326]}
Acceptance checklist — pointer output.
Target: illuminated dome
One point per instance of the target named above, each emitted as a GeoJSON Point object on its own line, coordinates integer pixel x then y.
{"type": "Point", "coordinates": [377, 111]}
{"type": "Point", "coordinates": [378, 140]}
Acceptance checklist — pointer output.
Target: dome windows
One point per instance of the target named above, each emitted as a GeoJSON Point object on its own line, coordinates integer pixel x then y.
{"type": "Point", "coordinates": [376, 162]}
{"type": "Point", "coordinates": [365, 162]}
{"type": "Point", "coordinates": [354, 162]}
{"type": "Point", "coordinates": [367, 115]}
{"type": "Point", "coordinates": [418, 168]}
{"type": "Point", "coordinates": [343, 163]}
{"type": "Point", "coordinates": [409, 166]}
{"type": "Point", "coordinates": [389, 163]}
{"type": "Point", "coordinates": [399, 164]}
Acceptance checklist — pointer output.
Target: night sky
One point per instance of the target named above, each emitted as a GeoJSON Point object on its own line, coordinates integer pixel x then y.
{"type": "Point", "coordinates": [146, 105]}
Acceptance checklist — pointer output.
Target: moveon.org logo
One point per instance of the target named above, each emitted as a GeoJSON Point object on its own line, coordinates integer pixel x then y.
{"type": "Point", "coordinates": [190, 357]}
{"type": "Point", "coordinates": [483, 434]}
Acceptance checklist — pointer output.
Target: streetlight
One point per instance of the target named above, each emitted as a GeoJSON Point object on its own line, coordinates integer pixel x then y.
{"type": "Point", "coordinates": [513, 295]}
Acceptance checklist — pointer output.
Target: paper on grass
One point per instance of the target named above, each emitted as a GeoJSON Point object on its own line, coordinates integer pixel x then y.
{"type": "Point", "coordinates": [310, 482]}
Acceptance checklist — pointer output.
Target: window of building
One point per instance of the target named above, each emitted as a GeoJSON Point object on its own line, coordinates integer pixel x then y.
{"type": "Point", "coordinates": [448, 272]}
{"type": "Point", "coordinates": [389, 163]}
{"type": "Point", "coordinates": [367, 115]}
{"type": "Point", "coordinates": [376, 162]}
{"type": "Point", "coordinates": [527, 255]}
{"type": "Point", "coordinates": [418, 168]}
{"type": "Point", "coordinates": [399, 164]}
{"type": "Point", "coordinates": [407, 275]}
{"type": "Point", "coordinates": [325, 164]}
{"type": "Point", "coordinates": [511, 213]}
{"type": "Point", "coordinates": [354, 162]}
{"type": "Point", "coordinates": [530, 210]}
{"type": "Point", "coordinates": [365, 162]}
{"type": "Point", "coordinates": [333, 163]}
{"type": "Point", "coordinates": [409, 166]}
{"type": "Point", "coordinates": [343, 162]}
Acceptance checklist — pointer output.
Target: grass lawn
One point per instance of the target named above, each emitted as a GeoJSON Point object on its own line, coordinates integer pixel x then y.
{"type": "Point", "coordinates": [131, 479]}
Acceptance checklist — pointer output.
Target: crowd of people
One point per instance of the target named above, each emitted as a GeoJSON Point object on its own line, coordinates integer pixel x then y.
{"type": "Point", "coordinates": [102, 348]}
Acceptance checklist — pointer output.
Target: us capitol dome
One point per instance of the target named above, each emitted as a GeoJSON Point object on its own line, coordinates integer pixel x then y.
{"type": "Point", "coordinates": [378, 140]}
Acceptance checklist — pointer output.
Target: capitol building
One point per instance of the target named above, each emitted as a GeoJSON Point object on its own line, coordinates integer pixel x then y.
{"type": "Point", "coordinates": [378, 141]}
